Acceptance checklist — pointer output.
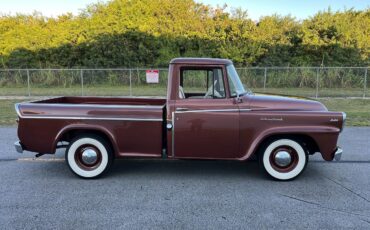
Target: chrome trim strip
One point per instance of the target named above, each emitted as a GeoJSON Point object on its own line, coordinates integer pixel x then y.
{"type": "Point", "coordinates": [91, 118]}
{"type": "Point", "coordinates": [82, 118]}
{"type": "Point", "coordinates": [286, 111]}
{"type": "Point", "coordinates": [173, 134]}
{"type": "Point", "coordinates": [98, 105]}
{"type": "Point", "coordinates": [212, 110]}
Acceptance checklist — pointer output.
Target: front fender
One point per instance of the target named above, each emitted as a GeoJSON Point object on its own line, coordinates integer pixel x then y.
{"type": "Point", "coordinates": [325, 137]}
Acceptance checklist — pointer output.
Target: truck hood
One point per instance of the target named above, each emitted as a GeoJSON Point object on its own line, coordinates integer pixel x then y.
{"type": "Point", "coordinates": [286, 103]}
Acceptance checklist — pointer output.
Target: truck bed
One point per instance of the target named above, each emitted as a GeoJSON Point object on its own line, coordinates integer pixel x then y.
{"type": "Point", "coordinates": [135, 125]}
{"type": "Point", "coordinates": [94, 107]}
{"type": "Point", "coordinates": [105, 101]}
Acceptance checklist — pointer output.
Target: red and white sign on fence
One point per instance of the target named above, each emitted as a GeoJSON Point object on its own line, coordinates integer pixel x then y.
{"type": "Point", "coordinates": [152, 76]}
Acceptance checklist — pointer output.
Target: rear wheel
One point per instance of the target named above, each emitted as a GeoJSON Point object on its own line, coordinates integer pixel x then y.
{"type": "Point", "coordinates": [89, 156]}
{"type": "Point", "coordinates": [283, 159]}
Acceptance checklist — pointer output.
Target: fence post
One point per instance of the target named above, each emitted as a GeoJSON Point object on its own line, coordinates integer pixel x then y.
{"type": "Point", "coordinates": [138, 76]}
{"type": "Point", "coordinates": [130, 84]}
{"type": "Point", "coordinates": [28, 83]}
{"type": "Point", "coordinates": [365, 81]}
{"type": "Point", "coordinates": [82, 81]}
{"type": "Point", "coordinates": [317, 82]}
{"type": "Point", "coordinates": [264, 80]}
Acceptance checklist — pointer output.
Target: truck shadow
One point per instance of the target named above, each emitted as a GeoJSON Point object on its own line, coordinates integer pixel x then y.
{"type": "Point", "coordinates": [188, 168]}
{"type": "Point", "coordinates": [171, 169]}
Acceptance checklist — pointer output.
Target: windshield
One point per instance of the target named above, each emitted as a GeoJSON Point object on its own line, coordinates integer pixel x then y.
{"type": "Point", "coordinates": [236, 86]}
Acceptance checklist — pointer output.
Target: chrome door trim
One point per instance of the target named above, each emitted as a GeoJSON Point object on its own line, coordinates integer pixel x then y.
{"type": "Point", "coordinates": [212, 110]}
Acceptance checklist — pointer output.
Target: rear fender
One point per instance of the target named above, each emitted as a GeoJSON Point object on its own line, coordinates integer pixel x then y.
{"type": "Point", "coordinates": [85, 127]}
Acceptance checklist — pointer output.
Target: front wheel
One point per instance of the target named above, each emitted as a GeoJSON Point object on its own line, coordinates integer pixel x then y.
{"type": "Point", "coordinates": [89, 156]}
{"type": "Point", "coordinates": [283, 159]}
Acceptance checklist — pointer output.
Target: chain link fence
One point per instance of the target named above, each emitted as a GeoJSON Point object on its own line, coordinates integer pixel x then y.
{"type": "Point", "coordinates": [312, 82]}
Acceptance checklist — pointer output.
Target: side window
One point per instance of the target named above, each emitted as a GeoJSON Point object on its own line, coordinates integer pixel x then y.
{"type": "Point", "coordinates": [201, 83]}
{"type": "Point", "coordinates": [231, 80]}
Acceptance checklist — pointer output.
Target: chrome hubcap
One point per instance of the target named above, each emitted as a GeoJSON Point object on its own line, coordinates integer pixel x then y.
{"type": "Point", "coordinates": [283, 158]}
{"type": "Point", "coordinates": [89, 156]}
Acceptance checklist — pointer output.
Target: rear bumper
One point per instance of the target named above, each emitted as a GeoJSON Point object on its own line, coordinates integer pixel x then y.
{"type": "Point", "coordinates": [18, 147]}
{"type": "Point", "coordinates": [338, 154]}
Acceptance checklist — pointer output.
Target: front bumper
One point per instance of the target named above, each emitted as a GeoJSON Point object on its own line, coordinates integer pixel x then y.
{"type": "Point", "coordinates": [338, 154]}
{"type": "Point", "coordinates": [18, 147]}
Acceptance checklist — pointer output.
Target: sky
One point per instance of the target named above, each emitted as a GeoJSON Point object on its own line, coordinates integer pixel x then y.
{"type": "Point", "coordinates": [300, 9]}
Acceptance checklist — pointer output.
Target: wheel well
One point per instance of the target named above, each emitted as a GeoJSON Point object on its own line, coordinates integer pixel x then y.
{"type": "Point", "coordinates": [71, 134]}
{"type": "Point", "coordinates": [308, 142]}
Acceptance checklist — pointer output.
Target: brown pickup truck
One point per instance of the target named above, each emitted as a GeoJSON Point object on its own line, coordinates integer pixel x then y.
{"type": "Point", "coordinates": [216, 119]}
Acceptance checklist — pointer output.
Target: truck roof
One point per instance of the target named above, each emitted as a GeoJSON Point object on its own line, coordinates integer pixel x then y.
{"type": "Point", "coordinates": [201, 61]}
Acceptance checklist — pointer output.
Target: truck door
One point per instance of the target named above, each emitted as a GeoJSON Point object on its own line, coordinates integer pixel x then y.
{"type": "Point", "coordinates": [205, 119]}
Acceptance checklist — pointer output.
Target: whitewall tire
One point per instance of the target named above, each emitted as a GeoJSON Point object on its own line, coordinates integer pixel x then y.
{"type": "Point", "coordinates": [89, 156]}
{"type": "Point", "coordinates": [284, 159]}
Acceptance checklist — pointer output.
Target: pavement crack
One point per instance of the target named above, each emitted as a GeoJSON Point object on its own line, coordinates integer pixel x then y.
{"type": "Point", "coordinates": [8, 160]}
{"type": "Point", "coordinates": [301, 200]}
{"type": "Point", "coordinates": [323, 207]}
{"type": "Point", "coordinates": [365, 220]}
{"type": "Point", "coordinates": [348, 189]}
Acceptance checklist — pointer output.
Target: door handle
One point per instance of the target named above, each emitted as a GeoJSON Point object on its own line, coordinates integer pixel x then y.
{"type": "Point", "coordinates": [181, 109]}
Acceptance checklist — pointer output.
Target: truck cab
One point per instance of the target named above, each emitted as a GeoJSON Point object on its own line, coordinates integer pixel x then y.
{"type": "Point", "coordinates": [203, 109]}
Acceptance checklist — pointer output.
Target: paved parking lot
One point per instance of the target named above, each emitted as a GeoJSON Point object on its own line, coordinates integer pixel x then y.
{"type": "Point", "coordinates": [141, 194]}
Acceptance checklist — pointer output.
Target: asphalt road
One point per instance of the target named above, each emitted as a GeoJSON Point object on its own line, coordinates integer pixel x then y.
{"type": "Point", "coordinates": [142, 194]}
